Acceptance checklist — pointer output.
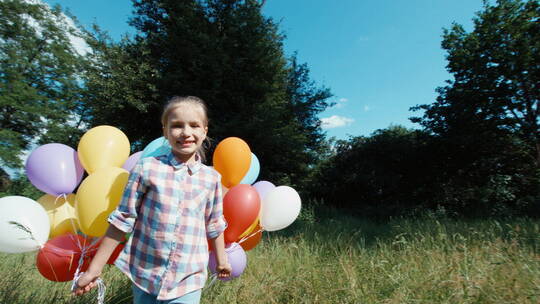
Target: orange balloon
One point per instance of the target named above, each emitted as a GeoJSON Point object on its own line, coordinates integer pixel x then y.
{"type": "Point", "coordinates": [232, 159]}
{"type": "Point", "coordinates": [252, 241]}
{"type": "Point", "coordinates": [241, 206]}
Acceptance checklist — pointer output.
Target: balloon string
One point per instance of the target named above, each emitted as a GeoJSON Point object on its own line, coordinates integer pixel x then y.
{"type": "Point", "coordinates": [213, 278]}
{"type": "Point", "coordinates": [249, 236]}
{"type": "Point", "coordinates": [101, 287]}
{"type": "Point", "coordinates": [84, 251]}
{"type": "Point", "coordinates": [71, 220]}
{"type": "Point", "coordinates": [83, 248]}
{"type": "Point", "coordinates": [51, 267]}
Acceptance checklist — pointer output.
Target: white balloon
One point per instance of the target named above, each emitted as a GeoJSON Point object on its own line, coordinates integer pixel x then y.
{"type": "Point", "coordinates": [279, 208]}
{"type": "Point", "coordinates": [17, 214]}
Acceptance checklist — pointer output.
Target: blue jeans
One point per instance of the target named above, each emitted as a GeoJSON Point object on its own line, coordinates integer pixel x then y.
{"type": "Point", "coordinates": [141, 297]}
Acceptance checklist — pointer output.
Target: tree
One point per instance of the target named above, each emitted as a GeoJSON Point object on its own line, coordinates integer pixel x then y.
{"type": "Point", "coordinates": [40, 82]}
{"type": "Point", "coordinates": [496, 70]}
{"type": "Point", "coordinates": [381, 175]}
{"type": "Point", "coordinates": [230, 55]}
{"type": "Point", "coordinates": [120, 88]}
{"type": "Point", "coordinates": [486, 120]}
{"type": "Point", "coordinates": [307, 101]}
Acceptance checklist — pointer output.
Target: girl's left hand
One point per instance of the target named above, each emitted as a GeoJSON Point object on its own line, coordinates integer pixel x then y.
{"type": "Point", "coordinates": [224, 270]}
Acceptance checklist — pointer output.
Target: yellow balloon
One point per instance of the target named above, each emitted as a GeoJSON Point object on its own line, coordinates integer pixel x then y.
{"type": "Point", "coordinates": [101, 147]}
{"type": "Point", "coordinates": [61, 214]}
{"type": "Point", "coordinates": [250, 229]}
{"type": "Point", "coordinates": [98, 195]}
{"type": "Point", "coordinates": [232, 159]}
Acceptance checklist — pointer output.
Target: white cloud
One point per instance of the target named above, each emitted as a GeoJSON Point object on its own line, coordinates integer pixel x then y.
{"type": "Point", "coordinates": [335, 121]}
{"type": "Point", "coordinates": [340, 103]}
{"type": "Point", "coordinates": [362, 39]}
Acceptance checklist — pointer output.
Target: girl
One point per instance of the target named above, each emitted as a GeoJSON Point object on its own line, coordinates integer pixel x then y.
{"type": "Point", "coordinates": [171, 205]}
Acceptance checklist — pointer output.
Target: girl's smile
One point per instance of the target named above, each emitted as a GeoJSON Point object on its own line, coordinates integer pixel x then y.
{"type": "Point", "coordinates": [186, 143]}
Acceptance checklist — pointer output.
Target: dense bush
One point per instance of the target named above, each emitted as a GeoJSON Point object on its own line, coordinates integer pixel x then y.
{"type": "Point", "coordinates": [397, 171]}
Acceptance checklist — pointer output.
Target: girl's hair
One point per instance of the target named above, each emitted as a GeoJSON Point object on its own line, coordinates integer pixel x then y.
{"type": "Point", "coordinates": [173, 103]}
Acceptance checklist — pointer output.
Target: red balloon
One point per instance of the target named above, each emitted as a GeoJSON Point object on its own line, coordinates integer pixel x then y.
{"type": "Point", "coordinates": [116, 253]}
{"type": "Point", "coordinates": [59, 258]}
{"type": "Point", "coordinates": [210, 246]}
{"type": "Point", "coordinates": [241, 206]}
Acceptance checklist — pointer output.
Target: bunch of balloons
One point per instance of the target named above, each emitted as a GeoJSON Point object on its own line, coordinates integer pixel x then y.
{"type": "Point", "coordinates": [249, 207]}
{"type": "Point", "coordinates": [65, 227]}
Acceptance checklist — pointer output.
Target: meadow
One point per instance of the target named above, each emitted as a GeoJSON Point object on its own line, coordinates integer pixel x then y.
{"type": "Point", "coordinates": [328, 256]}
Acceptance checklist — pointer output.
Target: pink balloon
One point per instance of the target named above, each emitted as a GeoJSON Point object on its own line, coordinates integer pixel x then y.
{"type": "Point", "coordinates": [54, 169]}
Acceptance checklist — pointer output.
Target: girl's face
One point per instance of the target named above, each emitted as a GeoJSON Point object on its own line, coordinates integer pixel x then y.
{"type": "Point", "coordinates": [185, 130]}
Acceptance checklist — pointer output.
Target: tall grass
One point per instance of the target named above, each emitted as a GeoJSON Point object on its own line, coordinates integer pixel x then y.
{"type": "Point", "coordinates": [330, 257]}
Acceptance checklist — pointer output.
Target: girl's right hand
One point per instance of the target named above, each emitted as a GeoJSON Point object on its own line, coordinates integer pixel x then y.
{"type": "Point", "coordinates": [110, 241]}
{"type": "Point", "coordinates": [86, 282]}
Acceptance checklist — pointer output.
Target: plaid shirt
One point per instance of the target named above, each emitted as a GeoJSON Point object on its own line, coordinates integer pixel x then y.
{"type": "Point", "coordinates": [170, 208]}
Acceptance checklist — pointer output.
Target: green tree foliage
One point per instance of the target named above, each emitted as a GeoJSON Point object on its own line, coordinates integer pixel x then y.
{"type": "Point", "coordinates": [486, 120]}
{"type": "Point", "coordinates": [379, 175]}
{"type": "Point", "coordinates": [120, 88]}
{"type": "Point", "coordinates": [229, 54]}
{"type": "Point", "coordinates": [40, 85]}
{"type": "Point", "coordinates": [496, 70]}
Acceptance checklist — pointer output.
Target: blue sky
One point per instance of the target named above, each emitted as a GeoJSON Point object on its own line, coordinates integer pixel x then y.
{"type": "Point", "coordinates": [379, 58]}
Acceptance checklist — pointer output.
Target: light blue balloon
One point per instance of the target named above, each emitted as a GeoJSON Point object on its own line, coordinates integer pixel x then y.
{"type": "Point", "coordinates": [253, 172]}
{"type": "Point", "coordinates": [158, 146]}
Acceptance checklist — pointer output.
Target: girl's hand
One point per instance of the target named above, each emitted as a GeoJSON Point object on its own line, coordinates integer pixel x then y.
{"type": "Point", "coordinates": [224, 270]}
{"type": "Point", "coordinates": [110, 241]}
{"type": "Point", "coordinates": [86, 282]}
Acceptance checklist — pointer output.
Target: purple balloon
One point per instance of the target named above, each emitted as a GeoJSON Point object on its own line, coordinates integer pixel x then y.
{"type": "Point", "coordinates": [263, 187]}
{"type": "Point", "coordinates": [236, 257]}
{"type": "Point", "coordinates": [132, 160]}
{"type": "Point", "coordinates": [54, 169]}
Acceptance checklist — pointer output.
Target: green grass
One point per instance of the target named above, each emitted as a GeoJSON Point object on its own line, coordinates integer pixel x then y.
{"type": "Point", "coordinates": [335, 258]}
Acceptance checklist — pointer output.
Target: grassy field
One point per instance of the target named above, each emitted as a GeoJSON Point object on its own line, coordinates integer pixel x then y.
{"type": "Point", "coordinates": [334, 258]}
